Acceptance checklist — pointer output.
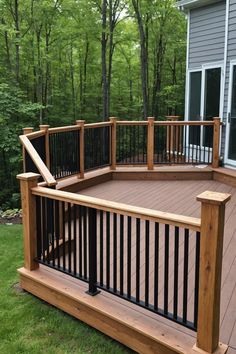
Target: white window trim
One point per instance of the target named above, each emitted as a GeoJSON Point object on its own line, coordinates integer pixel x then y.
{"type": "Point", "coordinates": [230, 91]}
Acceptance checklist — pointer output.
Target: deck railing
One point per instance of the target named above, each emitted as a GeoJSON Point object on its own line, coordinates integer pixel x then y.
{"type": "Point", "coordinates": [72, 150]}
{"type": "Point", "coordinates": [144, 256]}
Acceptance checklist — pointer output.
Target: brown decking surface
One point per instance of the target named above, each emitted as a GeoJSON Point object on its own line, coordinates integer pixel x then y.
{"type": "Point", "coordinates": [180, 197]}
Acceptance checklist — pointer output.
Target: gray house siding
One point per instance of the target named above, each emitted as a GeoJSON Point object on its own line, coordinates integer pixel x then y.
{"type": "Point", "coordinates": [206, 34]}
{"type": "Point", "coordinates": [231, 55]}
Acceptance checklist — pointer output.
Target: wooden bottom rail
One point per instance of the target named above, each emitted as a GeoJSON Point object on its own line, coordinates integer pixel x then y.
{"type": "Point", "coordinates": [125, 323]}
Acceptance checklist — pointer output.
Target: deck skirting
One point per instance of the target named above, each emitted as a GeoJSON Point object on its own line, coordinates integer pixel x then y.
{"type": "Point", "coordinates": [113, 317]}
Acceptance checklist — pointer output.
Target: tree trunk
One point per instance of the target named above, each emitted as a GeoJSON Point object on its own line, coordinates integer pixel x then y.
{"type": "Point", "coordinates": [17, 37]}
{"type": "Point", "coordinates": [104, 64]}
{"type": "Point", "coordinates": [143, 57]}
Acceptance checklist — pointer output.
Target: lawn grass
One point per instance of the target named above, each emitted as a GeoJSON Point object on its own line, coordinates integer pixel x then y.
{"type": "Point", "coordinates": [29, 325]}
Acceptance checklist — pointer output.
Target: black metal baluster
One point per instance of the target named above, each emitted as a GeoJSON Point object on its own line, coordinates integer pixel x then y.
{"type": "Point", "coordinates": [196, 290]}
{"type": "Point", "coordinates": [176, 272]}
{"type": "Point", "coordinates": [52, 231]}
{"type": "Point", "coordinates": [38, 227]}
{"type": "Point", "coordinates": [185, 275]}
{"type": "Point", "coordinates": [69, 236]}
{"type": "Point", "coordinates": [115, 252]}
{"type": "Point", "coordinates": [101, 247]}
{"type": "Point", "coordinates": [121, 254]}
{"type": "Point", "coordinates": [48, 228]}
{"type": "Point", "coordinates": [57, 228]}
{"type": "Point", "coordinates": [63, 236]}
{"type": "Point", "coordinates": [166, 269]}
{"type": "Point", "coordinates": [137, 260]}
{"type": "Point", "coordinates": [92, 238]}
{"type": "Point", "coordinates": [85, 240]}
{"type": "Point", "coordinates": [147, 227]}
{"type": "Point", "coordinates": [156, 266]}
{"type": "Point", "coordinates": [129, 258]}
{"type": "Point", "coordinates": [185, 143]}
{"type": "Point", "coordinates": [80, 242]}
{"type": "Point", "coordinates": [75, 238]}
{"type": "Point", "coordinates": [44, 228]}
{"type": "Point", "coordinates": [107, 250]}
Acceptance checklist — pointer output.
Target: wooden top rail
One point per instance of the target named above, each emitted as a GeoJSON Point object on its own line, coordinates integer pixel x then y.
{"type": "Point", "coordinates": [47, 176]}
{"type": "Point", "coordinates": [132, 122]}
{"type": "Point", "coordinates": [120, 208]}
{"type": "Point", "coordinates": [36, 134]}
{"type": "Point", "coordinates": [63, 129]}
{"type": "Point", "coordinates": [183, 123]}
{"type": "Point", "coordinates": [97, 125]}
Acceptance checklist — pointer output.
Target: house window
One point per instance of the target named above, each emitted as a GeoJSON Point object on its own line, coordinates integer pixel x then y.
{"type": "Point", "coordinates": [232, 136]}
{"type": "Point", "coordinates": [195, 105]}
{"type": "Point", "coordinates": [204, 102]}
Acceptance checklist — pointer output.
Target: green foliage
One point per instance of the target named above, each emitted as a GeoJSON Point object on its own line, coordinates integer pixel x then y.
{"type": "Point", "coordinates": [29, 325]}
{"type": "Point", "coordinates": [51, 67]}
{"type": "Point", "coordinates": [15, 113]}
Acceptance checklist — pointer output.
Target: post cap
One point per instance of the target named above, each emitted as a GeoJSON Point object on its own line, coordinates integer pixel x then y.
{"type": "Point", "coordinates": [28, 176]}
{"type": "Point", "coordinates": [27, 130]}
{"type": "Point", "coordinates": [151, 118]}
{"type": "Point", "coordinates": [112, 118]}
{"type": "Point", "coordinates": [44, 126]}
{"type": "Point", "coordinates": [214, 197]}
{"type": "Point", "coordinates": [79, 121]}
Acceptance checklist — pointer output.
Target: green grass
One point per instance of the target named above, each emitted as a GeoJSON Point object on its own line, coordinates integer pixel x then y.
{"type": "Point", "coordinates": [29, 325]}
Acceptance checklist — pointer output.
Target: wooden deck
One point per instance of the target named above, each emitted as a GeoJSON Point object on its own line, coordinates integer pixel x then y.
{"type": "Point", "coordinates": [180, 197]}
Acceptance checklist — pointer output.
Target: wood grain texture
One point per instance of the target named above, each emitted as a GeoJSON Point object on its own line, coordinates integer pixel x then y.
{"type": "Point", "coordinates": [150, 143]}
{"type": "Point", "coordinates": [113, 207]}
{"type": "Point", "coordinates": [38, 161]}
{"type": "Point", "coordinates": [28, 204]}
{"type": "Point", "coordinates": [113, 143]}
{"type": "Point", "coordinates": [216, 143]}
{"type": "Point", "coordinates": [211, 254]}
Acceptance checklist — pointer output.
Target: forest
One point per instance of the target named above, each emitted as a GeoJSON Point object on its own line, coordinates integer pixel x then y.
{"type": "Point", "coordinates": [62, 60]}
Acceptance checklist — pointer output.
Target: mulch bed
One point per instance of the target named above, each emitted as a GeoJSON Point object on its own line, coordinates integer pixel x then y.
{"type": "Point", "coordinates": [13, 220]}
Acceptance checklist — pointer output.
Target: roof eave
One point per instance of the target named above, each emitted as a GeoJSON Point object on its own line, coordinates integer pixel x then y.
{"type": "Point", "coordinates": [186, 5]}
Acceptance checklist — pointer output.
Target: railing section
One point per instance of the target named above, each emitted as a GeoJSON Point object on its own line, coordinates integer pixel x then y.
{"type": "Point", "coordinates": [131, 143]}
{"type": "Point", "coordinates": [64, 147]}
{"type": "Point", "coordinates": [75, 149]}
{"type": "Point", "coordinates": [183, 142]}
{"type": "Point", "coordinates": [156, 260]}
{"type": "Point", "coordinates": [97, 142]}
{"type": "Point", "coordinates": [154, 264]}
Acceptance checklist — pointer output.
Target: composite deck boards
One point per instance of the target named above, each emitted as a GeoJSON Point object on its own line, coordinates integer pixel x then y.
{"type": "Point", "coordinates": [177, 197]}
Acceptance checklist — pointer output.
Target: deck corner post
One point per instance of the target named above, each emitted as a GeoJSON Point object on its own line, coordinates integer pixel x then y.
{"type": "Point", "coordinates": [25, 132]}
{"type": "Point", "coordinates": [216, 143]}
{"type": "Point", "coordinates": [150, 143]}
{"type": "Point", "coordinates": [44, 127]}
{"type": "Point", "coordinates": [211, 255]}
{"type": "Point", "coordinates": [28, 202]}
{"type": "Point", "coordinates": [113, 143]}
{"type": "Point", "coordinates": [92, 234]}
{"type": "Point", "coordinates": [81, 123]}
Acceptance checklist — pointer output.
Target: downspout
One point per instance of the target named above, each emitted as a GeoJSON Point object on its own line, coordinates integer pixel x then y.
{"type": "Point", "coordinates": [187, 74]}
{"type": "Point", "coordinates": [224, 118]}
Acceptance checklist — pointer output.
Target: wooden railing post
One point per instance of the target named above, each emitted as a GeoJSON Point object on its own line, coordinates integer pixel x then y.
{"type": "Point", "coordinates": [47, 151]}
{"type": "Point", "coordinates": [211, 254]}
{"type": "Point", "coordinates": [216, 143]}
{"type": "Point", "coordinates": [80, 123]}
{"type": "Point", "coordinates": [172, 136]}
{"type": "Point", "coordinates": [113, 143]}
{"type": "Point", "coordinates": [28, 203]}
{"type": "Point", "coordinates": [150, 143]}
{"type": "Point", "coordinates": [25, 131]}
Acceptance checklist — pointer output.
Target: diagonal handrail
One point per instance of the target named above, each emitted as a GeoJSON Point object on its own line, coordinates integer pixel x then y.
{"type": "Point", "coordinates": [44, 171]}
